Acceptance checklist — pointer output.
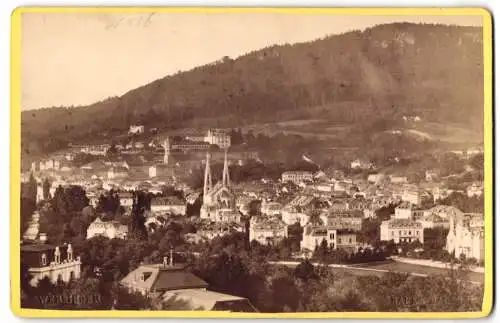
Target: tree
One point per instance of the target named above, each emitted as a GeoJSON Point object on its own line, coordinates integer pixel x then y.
{"type": "Point", "coordinates": [109, 203]}
{"type": "Point", "coordinates": [477, 162]}
{"type": "Point", "coordinates": [464, 203]}
{"type": "Point", "coordinates": [28, 207]}
{"type": "Point", "coordinates": [384, 213]}
{"type": "Point", "coordinates": [112, 152]}
{"type": "Point", "coordinates": [137, 226]}
{"type": "Point", "coordinates": [46, 189]}
{"type": "Point", "coordinates": [126, 300]}
{"type": "Point", "coordinates": [305, 271]}
{"type": "Point", "coordinates": [285, 293]}
{"type": "Point", "coordinates": [314, 216]}
{"type": "Point", "coordinates": [370, 232]}
{"type": "Point", "coordinates": [322, 252]}
{"type": "Point", "coordinates": [295, 235]}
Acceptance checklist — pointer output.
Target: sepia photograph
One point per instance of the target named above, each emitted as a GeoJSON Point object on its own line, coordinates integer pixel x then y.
{"type": "Point", "coordinates": [253, 161]}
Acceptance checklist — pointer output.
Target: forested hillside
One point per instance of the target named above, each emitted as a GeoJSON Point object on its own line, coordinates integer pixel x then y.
{"type": "Point", "coordinates": [370, 77]}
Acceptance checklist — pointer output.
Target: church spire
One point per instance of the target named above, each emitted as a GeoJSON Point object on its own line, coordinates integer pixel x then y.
{"type": "Point", "coordinates": [166, 145]}
{"type": "Point", "coordinates": [225, 174]}
{"type": "Point", "coordinates": [207, 182]}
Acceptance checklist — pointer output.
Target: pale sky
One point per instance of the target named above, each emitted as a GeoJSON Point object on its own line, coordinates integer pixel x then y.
{"type": "Point", "coordinates": [78, 59]}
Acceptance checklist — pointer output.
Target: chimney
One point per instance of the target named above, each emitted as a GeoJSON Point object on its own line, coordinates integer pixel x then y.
{"type": "Point", "coordinates": [42, 237]}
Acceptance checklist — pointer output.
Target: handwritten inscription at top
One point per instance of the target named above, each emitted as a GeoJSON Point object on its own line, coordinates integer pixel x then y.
{"type": "Point", "coordinates": [131, 21]}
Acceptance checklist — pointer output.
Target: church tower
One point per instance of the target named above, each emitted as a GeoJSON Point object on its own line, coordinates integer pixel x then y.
{"type": "Point", "coordinates": [166, 145]}
{"type": "Point", "coordinates": [207, 181]}
{"type": "Point", "coordinates": [225, 173]}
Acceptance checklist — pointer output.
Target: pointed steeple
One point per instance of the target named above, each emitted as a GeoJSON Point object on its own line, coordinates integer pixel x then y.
{"type": "Point", "coordinates": [166, 145]}
{"type": "Point", "coordinates": [225, 173]}
{"type": "Point", "coordinates": [207, 182]}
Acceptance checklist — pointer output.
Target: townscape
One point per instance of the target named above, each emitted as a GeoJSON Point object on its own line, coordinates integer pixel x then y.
{"type": "Point", "coordinates": [108, 222]}
{"type": "Point", "coordinates": [235, 218]}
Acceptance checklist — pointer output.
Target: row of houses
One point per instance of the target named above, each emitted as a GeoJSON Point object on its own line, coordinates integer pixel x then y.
{"type": "Point", "coordinates": [465, 230]}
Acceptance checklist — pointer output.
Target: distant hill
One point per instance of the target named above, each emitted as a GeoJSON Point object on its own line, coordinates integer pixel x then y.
{"type": "Point", "coordinates": [357, 78]}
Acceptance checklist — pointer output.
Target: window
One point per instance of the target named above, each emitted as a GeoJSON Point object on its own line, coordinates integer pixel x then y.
{"type": "Point", "coordinates": [332, 236]}
{"type": "Point", "coordinates": [44, 259]}
{"type": "Point", "coordinates": [416, 232]}
{"type": "Point", "coordinates": [350, 240]}
{"type": "Point", "coordinates": [409, 233]}
{"type": "Point", "coordinates": [392, 233]}
{"type": "Point", "coordinates": [400, 232]}
{"type": "Point", "coordinates": [72, 275]}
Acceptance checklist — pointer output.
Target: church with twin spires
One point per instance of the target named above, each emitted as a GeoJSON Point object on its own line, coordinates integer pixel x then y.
{"type": "Point", "coordinates": [219, 201]}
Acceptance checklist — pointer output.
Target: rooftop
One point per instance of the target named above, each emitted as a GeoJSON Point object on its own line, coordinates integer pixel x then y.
{"type": "Point", "coordinates": [402, 223]}
{"type": "Point", "coordinates": [163, 278]}
{"type": "Point", "coordinates": [197, 299]}
{"type": "Point", "coordinates": [37, 247]}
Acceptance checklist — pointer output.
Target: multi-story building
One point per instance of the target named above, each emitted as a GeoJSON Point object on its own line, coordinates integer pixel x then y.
{"type": "Point", "coordinates": [440, 193]}
{"type": "Point", "coordinates": [170, 204]}
{"type": "Point", "coordinates": [218, 137]}
{"type": "Point", "coordinates": [413, 196]}
{"type": "Point", "coordinates": [313, 236]}
{"type": "Point", "coordinates": [401, 230]}
{"type": "Point", "coordinates": [466, 236]}
{"type": "Point", "coordinates": [269, 230]}
{"type": "Point", "coordinates": [297, 177]}
{"type": "Point", "coordinates": [49, 164]}
{"type": "Point", "coordinates": [432, 221]}
{"type": "Point", "coordinates": [375, 178]}
{"type": "Point", "coordinates": [55, 262]}
{"type": "Point", "coordinates": [209, 231]}
{"type": "Point", "coordinates": [109, 229]}
{"type": "Point", "coordinates": [407, 210]}
{"type": "Point", "coordinates": [136, 129]}
{"type": "Point", "coordinates": [271, 208]}
{"type": "Point", "coordinates": [297, 210]}
{"type": "Point", "coordinates": [94, 149]}
{"type": "Point", "coordinates": [117, 172]}
{"type": "Point", "coordinates": [292, 214]}
{"type": "Point", "coordinates": [343, 219]}
{"type": "Point", "coordinates": [186, 146]}
{"type": "Point", "coordinates": [361, 164]}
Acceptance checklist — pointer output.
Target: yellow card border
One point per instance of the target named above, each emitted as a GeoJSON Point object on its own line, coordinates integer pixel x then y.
{"type": "Point", "coordinates": [15, 156]}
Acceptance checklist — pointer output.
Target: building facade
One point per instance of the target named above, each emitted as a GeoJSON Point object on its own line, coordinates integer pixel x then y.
{"type": "Point", "coordinates": [57, 263]}
{"type": "Point", "coordinates": [267, 230]}
{"type": "Point", "coordinates": [335, 238]}
{"type": "Point", "coordinates": [296, 177]}
{"type": "Point", "coordinates": [136, 129]}
{"type": "Point", "coordinates": [109, 229]}
{"type": "Point", "coordinates": [466, 236]}
{"type": "Point", "coordinates": [169, 204]}
{"type": "Point", "coordinates": [219, 138]}
{"type": "Point", "coordinates": [401, 230]}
